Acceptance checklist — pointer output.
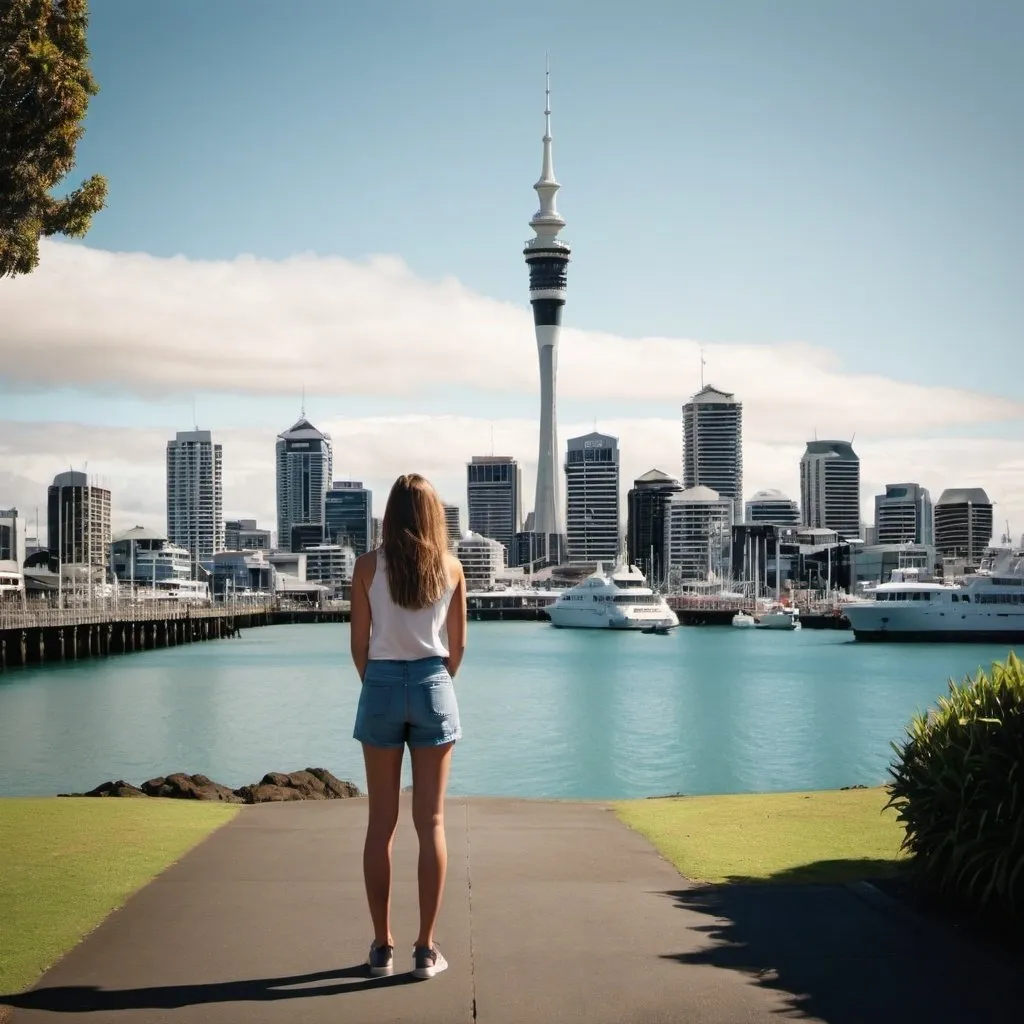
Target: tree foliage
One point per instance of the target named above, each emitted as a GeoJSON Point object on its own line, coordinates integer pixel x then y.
{"type": "Point", "coordinates": [45, 85]}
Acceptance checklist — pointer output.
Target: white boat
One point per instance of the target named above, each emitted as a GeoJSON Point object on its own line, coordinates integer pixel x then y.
{"type": "Point", "coordinates": [620, 599]}
{"type": "Point", "coordinates": [986, 606]}
{"type": "Point", "coordinates": [744, 620]}
{"type": "Point", "coordinates": [779, 617]}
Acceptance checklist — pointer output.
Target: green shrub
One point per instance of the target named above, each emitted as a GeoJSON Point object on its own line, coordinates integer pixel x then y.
{"type": "Point", "coordinates": [958, 787]}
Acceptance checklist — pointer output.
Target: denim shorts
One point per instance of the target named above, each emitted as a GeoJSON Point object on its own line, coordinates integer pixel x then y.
{"type": "Point", "coordinates": [407, 702]}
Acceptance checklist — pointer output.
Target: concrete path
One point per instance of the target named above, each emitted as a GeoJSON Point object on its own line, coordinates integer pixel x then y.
{"type": "Point", "coordinates": [554, 912]}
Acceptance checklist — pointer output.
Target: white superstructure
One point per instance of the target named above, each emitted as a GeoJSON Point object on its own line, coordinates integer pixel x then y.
{"type": "Point", "coordinates": [620, 599]}
{"type": "Point", "coordinates": [985, 606]}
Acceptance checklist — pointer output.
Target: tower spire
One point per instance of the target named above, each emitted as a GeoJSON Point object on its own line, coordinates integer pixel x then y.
{"type": "Point", "coordinates": [547, 221]}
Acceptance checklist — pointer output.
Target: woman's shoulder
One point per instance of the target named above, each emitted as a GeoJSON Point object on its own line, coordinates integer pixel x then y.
{"type": "Point", "coordinates": [454, 567]}
{"type": "Point", "coordinates": [366, 564]}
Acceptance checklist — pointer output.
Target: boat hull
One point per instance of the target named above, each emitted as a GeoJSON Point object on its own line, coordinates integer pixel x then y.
{"type": "Point", "coordinates": [940, 636]}
{"type": "Point", "coordinates": [893, 623]}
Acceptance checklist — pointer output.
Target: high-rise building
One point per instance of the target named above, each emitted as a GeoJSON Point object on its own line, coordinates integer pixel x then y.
{"type": "Point", "coordinates": [304, 467]}
{"type": "Point", "coordinates": [592, 499]}
{"type": "Point", "coordinates": [698, 535]}
{"type": "Point", "coordinates": [245, 535]}
{"type": "Point", "coordinates": [12, 552]}
{"type": "Point", "coordinates": [773, 507]}
{"type": "Point", "coordinates": [963, 524]}
{"type": "Point", "coordinates": [548, 259]}
{"type": "Point", "coordinates": [830, 488]}
{"type": "Point", "coordinates": [78, 520]}
{"type": "Point", "coordinates": [493, 492]}
{"type": "Point", "coordinates": [453, 521]}
{"type": "Point", "coordinates": [645, 522]}
{"type": "Point", "coordinates": [482, 558]}
{"type": "Point", "coordinates": [713, 444]}
{"type": "Point", "coordinates": [349, 515]}
{"type": "Point", "coordinates": [330, 564]}
{"type": "Point", "coordinates": [903, 515]}
{"type": "Point", "coordinates": [195, 496]}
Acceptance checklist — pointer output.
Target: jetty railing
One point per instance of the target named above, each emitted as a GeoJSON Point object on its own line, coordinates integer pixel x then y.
{"type": "Point", "coordinates": [28, 617]}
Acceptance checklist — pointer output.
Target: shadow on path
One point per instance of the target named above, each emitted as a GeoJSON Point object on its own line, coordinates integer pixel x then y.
{"type": "Point", "coordinates": [839, 958]}
{"type": "Point", "coordinates": [88, 999]}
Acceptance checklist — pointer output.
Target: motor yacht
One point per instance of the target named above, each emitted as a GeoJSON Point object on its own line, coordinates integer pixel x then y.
{"type": "Point", "coordinates": [619, 599]}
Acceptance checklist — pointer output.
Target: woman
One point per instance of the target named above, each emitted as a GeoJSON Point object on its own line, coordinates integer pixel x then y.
{"type": "Point", "coordinates": [408, 638]}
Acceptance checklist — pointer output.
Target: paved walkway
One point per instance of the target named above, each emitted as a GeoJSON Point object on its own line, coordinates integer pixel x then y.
{"type": "Point", "coordinates": [554, 912]}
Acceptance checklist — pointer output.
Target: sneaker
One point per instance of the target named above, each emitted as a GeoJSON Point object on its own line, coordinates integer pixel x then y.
{"type": "Point", "coordinates": [381, 960]}
{"type": "Point", "coordinates": [427, 962]}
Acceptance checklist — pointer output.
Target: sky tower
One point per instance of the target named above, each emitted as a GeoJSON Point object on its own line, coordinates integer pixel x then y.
{"type": "Point", "coordinates": [548, 260]}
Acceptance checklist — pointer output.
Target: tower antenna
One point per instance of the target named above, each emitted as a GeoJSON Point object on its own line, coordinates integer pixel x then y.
{"type": "Point", "coordinates": [702, 361]}
{"type": "Point", "coordinates": [303, 407]}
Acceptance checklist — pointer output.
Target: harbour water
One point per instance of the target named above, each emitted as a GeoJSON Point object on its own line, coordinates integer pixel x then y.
{"type": "Point", "coordinates": [546, 712]}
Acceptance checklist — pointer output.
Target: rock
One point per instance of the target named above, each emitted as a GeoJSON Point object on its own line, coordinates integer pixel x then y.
{"type": "Point", "coordinates": [337, 789]}
{"type": "Point", "coordinates": [180, 786]}
{"type": "Point", "coordinates": [264, 794]}
{"type": "Point", "coordinates": [844, 789]}
{"type": "Point", "coordinates": [119, 788]}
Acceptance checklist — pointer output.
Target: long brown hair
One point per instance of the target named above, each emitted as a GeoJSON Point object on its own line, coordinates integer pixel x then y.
{"type": "Point", "coordinates": [415, 542]}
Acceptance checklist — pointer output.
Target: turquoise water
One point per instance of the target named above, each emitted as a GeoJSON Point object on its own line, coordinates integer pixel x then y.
{"type": "Point", "coordinates": [546, 712]}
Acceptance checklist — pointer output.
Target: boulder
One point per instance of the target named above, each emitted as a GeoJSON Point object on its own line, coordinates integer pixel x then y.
{"type": "Point", "coordinates": [266, 794]}
{"type": "Point", "coordinates": [180, 786]}
{"type": "Point", "coordinates": [119, 788]}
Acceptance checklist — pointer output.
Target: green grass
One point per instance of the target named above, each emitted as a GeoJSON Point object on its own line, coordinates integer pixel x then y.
{"type": "Point", "coordinates": [833, 836]}
{"type": "Point", "coordinates": [65, 864]}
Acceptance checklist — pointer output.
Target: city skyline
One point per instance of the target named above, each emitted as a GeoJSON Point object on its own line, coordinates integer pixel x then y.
{"type": "Point", "coordinates": [715, 243]}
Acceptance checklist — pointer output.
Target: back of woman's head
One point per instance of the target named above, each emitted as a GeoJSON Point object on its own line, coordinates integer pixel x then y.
{"type": "Point", "coordinates": [415, 542]}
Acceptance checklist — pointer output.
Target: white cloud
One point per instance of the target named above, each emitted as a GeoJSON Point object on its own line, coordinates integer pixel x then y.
{"type": "Point", "coordinates": [133, 322]}
{"type": "Point", "coordinates": [376, 450]}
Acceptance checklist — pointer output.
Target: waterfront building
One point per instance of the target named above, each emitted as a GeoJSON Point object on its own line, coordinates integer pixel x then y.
{"type": "Point", "coordinates": [305, 462]}
{"type": "Point", "coordinates": [245, 535]}
{"type": "Point", "coordinates": [332, 565]}
{"type": "Point", "coordinates": [645, 522]}
{"type": "Point", "coordinates": [377, 523]}
{"type": "Point", "coordinates": [482, 558]}
{"type": "Point", "coordinates": [830, 488]}
{"type": "Point", "coordinates": [289, 563]}
{"type": "Point", "coordinates": [772, 506]}
{"type": "Point", "coordinates": [698, 535]}
{"type": "Point", "coordinates": [195, 496]}
{"type": "Point", "coordinates": [12, 553]}
{"type": "Point", "coordinates": [348, 516]}
{"type": "Point", "coordinates": [874, 563]}
{"type": "Point", "coordinates": [592, 499]}
{"type": "Point", "coordinates": [453, 521]}
{"type": "Point", "coordinates": [243, 574]}
{"type": "Point", "coordinates": [305, 535]}
{"type": "Point", "coordinates": [963, 524]}
{"type": "Point", "coordinates": [147, 558]}
{"type": "Point", "coordinates": [903, 515]}
{"type": "Point", "coordinates": [494, 486]}
{"type": "Point", "coordinates": [78, 520]}
{"type": "Point", "coordinates": [713, 444]}
{"type": "Point", "coordinates": [547, 257]}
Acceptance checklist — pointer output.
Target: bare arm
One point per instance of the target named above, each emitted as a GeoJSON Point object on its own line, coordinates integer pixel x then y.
{"type": "Point", "coordinates": [457, 620]}
{"type": "Point", "coordinates": [362, 577]}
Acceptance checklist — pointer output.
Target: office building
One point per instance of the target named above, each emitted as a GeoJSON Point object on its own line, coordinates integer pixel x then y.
{"type": "Point", "coordinates": [830, 488]}
{"type": "Point", "coordinates": [547, 257]}
{"type": "Point", "coordinates": [482, 558]}
{"type": "Point", "coordinates": [304, 472]}
{"type": "Point", "coordinates": [592, 499]}
{"type": "Point", "coordinates": [645, 522]}
{"type": "Point", "coordinates": [963, 524]}
{"type": "Point", "coordinates": [713, 444]}
{"type": "Point", "coordinates": [771, 506]}
{"type": "Point", "coordinates": [245, 535]}
{"type": "Point", "coordinates": [903, 515]}
{"type": "Point", "coordinates": [348, 514]}
{"type": "Point", "coordinates": [493, 493]}
{"type": "Point", "coordinates": [12, 553]}
{"type": "Point", "coordinates": [195, 496]}
{"type": "Point", "coordinates": [698, 535]}
{"type": "Point", "coordinates": [453, 521]}
{"type": "Point", "coordinates": [331, 565]}
{"type": "Point", "coordinates": [78, 521]}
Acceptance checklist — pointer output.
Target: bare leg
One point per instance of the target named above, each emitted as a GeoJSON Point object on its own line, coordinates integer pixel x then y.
{"type": "Point", "coordinates": [383, 782]}
{"type": "Point", "coordinates": [430, 767]}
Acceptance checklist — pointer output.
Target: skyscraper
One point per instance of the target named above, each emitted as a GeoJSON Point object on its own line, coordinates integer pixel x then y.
{"type": "Point", "coordinates": [645, 522]}
{"type": "Point", "coordinates": [963, 524]}
{"type": "Point", "coordinates": [903, 515]}
{"type": "Point", "coordinates": [771, 506]}
{"type": "Point", "coordinates": [78, 521]}
{"type": "Point", "coordinates": [453, 521]}
{"type": "Point", "coordinates": [592, 499]}
{"type": "Point", "coordinates": [698, 534]}
{"type": "Point", "coordinates": [548, 259]}
{"type": "Point", "coordinates": [304, 466]}
{"type": "Point", "coordinates": [349, 515]}
{"type": "Point", "coordinates": [713, 445]}
{"type": "Point", "coordinates": [195, 496]}
{"type": "Point", "coordinates": [494, 495]}
{"type": "Point", "coordinates": [830, 487]}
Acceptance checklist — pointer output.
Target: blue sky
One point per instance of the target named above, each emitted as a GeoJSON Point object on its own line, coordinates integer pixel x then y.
{"type": "Point", "coordinates": [843, 176]}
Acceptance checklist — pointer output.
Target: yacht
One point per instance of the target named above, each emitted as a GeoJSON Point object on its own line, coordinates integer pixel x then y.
{"type": "Point", "coordinates": [986, 606]}
{"type": "Point", "coordinates": [620, 599]}
{"type": "Point", "coordinates": [743, 620]}
{"type": "Point", "coordinates": [779, 617]}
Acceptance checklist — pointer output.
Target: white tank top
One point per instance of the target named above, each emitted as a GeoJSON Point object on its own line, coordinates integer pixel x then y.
{"type": "Point", "coordinates": [402, 634]}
